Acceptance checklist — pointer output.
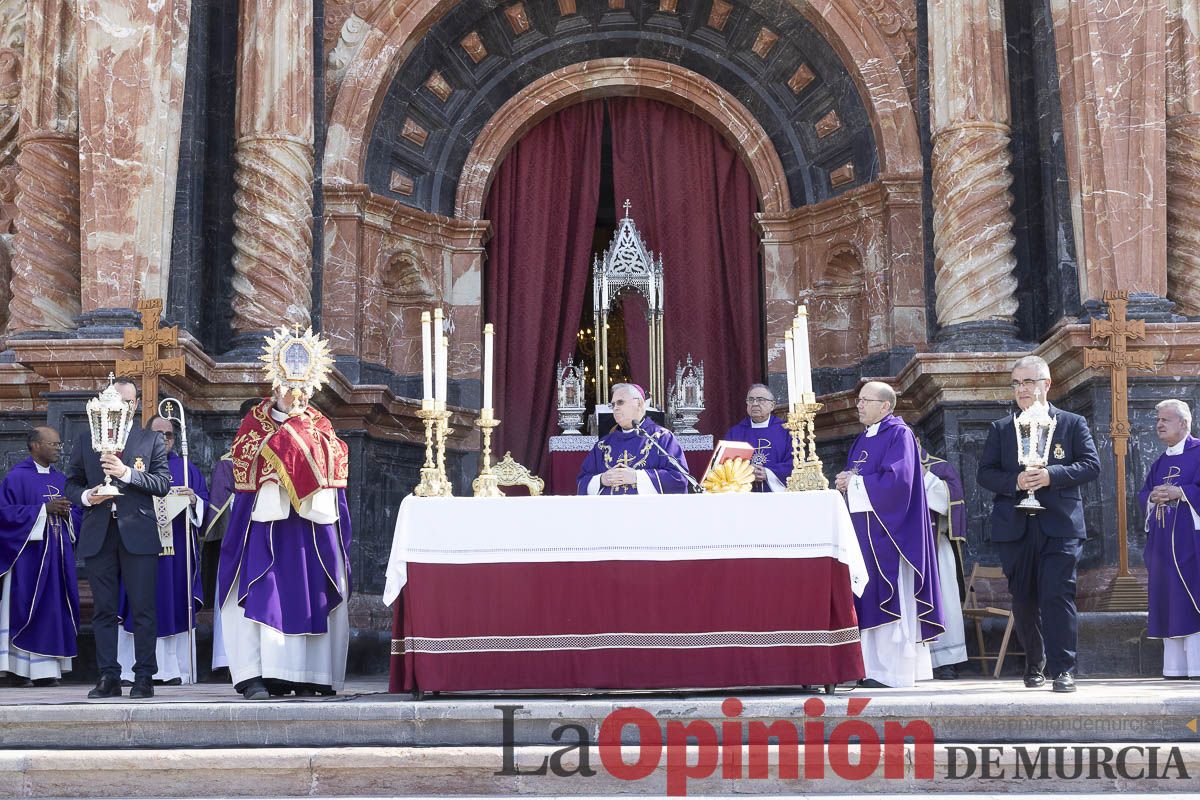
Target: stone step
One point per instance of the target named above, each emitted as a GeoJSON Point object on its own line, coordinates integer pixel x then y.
{"type": "Point", "coordinates": [480, 771]}
{"type": "Point", "coordinates": [976, 711]}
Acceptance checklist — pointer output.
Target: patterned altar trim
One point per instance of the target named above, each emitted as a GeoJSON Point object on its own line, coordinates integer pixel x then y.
{"type": "Point", "coordinates": [822, 547]}
{"type": "Point", "coordinates": [572, 444]}
{"type": "Point", "coordinates": [624, 641]}
{"type": "Point", "coordinates": [690, 442]}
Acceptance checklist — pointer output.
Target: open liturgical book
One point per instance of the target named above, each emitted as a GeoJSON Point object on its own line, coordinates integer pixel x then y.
{"type": "Point", "coordinates": [727, 451]}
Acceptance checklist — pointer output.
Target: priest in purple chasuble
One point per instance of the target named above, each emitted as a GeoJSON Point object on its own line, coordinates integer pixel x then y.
{"type": "Point", "coordinates": [899, 612]}
{"type": "Point", "coordinates": [284, 580]}
{"type": "Point", "coordinates": [771, 441]}
{"type": "Point", "coordinates": [947, 507]}
{"type": "Point", "coordinates": [1171, 497]}
{"type": "Point", "coordinates": [173, 513]}
{"type": "Point", "coordinates": [39, 595]}
{"type": "Point", "coordinates": [626, 461]}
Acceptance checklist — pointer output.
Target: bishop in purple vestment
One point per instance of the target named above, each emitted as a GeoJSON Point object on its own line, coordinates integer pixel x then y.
{"type": "Point", "coordinates": [899, 612]}
{"type": "Point", "coordinates": [171, 604]}
{"type": "Point", "coordinates": [1171, 497]}
{"type": "Point", "coordinates": [626, 460]}
{"type": "Point", "coordinates": [771, 441]}
{"type": "Point", "coordinates": [39, 595]}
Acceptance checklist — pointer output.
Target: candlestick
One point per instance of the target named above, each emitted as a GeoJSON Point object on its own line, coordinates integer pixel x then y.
{"type": "Point", "coordinates": [426, 362]}
{"type": "Point", "coordinates": [488, 335]}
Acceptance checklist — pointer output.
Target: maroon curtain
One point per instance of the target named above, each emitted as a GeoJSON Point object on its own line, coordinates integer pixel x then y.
{"type": "Point", "coordinates": [694, 203]}
{"type": "Point", "coordinates": [542, 206]}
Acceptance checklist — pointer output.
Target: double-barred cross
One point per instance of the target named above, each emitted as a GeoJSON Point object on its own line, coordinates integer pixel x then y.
{"type": "Point", "coordinates": [1118, 360]}
{"type": "Point", "coordinates": [149, 339]}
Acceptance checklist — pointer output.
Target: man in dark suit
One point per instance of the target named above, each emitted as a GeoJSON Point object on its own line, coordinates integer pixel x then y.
{"type": "Point", "coordinates": [119, 542]}
{"type": "Point", "coordinates": [1039, 552]}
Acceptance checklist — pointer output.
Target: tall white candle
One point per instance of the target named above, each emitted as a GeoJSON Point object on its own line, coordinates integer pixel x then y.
{"type": "Point", "coordinates": [803, 358]}
{"type": "Point", "coordinates": [426, 361]}
{"type": "Point", "coordinates": [443, 346]}
{"type": "Point", "coordinates": [488, 333]}
{"type": "Point", "coordinates": [789, 355]}
{"type": "Point", "coordinates": [439, 358]}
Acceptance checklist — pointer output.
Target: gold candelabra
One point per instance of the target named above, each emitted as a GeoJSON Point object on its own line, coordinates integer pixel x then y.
{"type": "Point", "coordinates": [486, 485]}
{"type": "Point", "coordinates": [434, 482]}
{"type": "Point", "coordinates": [807, 472]}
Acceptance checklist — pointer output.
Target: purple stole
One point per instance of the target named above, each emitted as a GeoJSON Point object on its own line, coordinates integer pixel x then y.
{"type": "Point", "coordinates": [220, 498]}
{"type": "Point", "coordinates": [898, 528]}
{"type": "Point", "coordinates": [43, 613]}
{"type": "Point", "coordinates": [632, 449]}
{"type": "Point", "coordinates": [171, 593]}
{"type": "Point", "coordinates": [1172, 552]}
{"type": "Point", "coordinates": [772, 447]}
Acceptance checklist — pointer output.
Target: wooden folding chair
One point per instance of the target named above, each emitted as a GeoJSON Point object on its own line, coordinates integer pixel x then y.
{"type": "Point", "coordinates": [972, 610]}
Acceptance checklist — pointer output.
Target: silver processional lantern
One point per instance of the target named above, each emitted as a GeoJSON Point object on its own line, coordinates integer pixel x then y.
{"type": "Point", "coordinates": [627, 265]}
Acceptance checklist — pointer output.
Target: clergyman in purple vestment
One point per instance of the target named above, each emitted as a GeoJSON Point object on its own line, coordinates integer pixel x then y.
{"type": "Point", "coordinates": [626, 460]}
{"type": "Point", "coordinates": [171, 648]}
{"type": "Point", "coordinates": [899, 612]}
{"type": "Point", "coordinates": [1171, 497]}
{"type": "Point", "coordinates": [39, 594]}
{"type": "Point", "coordinates": [771, 441]}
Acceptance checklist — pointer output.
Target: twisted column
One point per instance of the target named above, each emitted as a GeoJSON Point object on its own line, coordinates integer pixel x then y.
{"type": "Point", "coordinates": [1183, 155]}
{"type": "Point", "coordinates": [272, 278]}
{"type": "Point", "coordinates": [46, 248]}
{"type": "Point", "coordinates": [1183, 213]}
{"type": "Point", "coordinates": [972, 220]}
{"type": "Point", "coordinates": [972, 225]}
{"type": "Point", "coordinates": [45, 265]}
{"type": "Point", "coordinates": [272, 241]}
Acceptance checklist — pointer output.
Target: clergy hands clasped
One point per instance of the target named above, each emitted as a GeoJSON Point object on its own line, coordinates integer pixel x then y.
{"type": "Point", "coordinates": [619, 476]}
{"type": "Point", "coordinates": [842, 482]}
{"type": "Point", "coordinates": [760, 472]}
{"type": "Point", "coordinates": [1033, 478]}
{"type": "Point", "coordinates": [1165, 493]}
{"type": "Point", "coordinates": [58, 507]}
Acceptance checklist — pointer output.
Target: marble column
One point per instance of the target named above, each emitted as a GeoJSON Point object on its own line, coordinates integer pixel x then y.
{"type": "Point", "coordinates": [45, 264]}
{"type": "Point", "coordinates": [1183, 155]}
{"type": "Point", "coordinates": [13, 17]}
{"type": "Point", "coordinates": [133, 57]}
{"type": "Point", "coordinates": [1112, 82]}
{"type": "Point", "coordinates": [272, 262]}
{"type": "Point", "coordinates": [969, 123]}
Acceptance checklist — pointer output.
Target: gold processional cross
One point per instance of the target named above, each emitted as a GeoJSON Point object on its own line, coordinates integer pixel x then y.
{"type": "Point", "coordinates": [1126, 592]}
{"type": "Point", "coordinates": [149, 339]}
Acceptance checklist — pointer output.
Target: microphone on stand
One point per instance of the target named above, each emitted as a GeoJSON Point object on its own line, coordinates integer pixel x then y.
{"type": "Point", "coordinates": [672, 460]}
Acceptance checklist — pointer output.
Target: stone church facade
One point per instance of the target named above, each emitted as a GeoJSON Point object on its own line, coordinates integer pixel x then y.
{"type": "Point", "coordinates": [949, 184]}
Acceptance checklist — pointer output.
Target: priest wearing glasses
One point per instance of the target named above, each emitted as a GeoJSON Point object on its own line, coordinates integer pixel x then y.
{"type": "Point", "coordinates": [626, 461]}
{"type": "Point", "coordinates": [771, 441]}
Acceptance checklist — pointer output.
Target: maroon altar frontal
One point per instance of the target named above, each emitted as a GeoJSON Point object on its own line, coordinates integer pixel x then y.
{"type": "Point", "coordinates": [614, 593]}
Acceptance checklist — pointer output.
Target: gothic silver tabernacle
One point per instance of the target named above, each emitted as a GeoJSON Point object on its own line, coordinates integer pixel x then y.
{"type": "Point", "coordinates": [109, 418]}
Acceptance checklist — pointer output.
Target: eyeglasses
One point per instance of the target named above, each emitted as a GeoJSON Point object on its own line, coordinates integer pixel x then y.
{"type": "Point", "coordinates": [1028, 383]}
{"type": "Point", "coordinates": [862, 400]}
{"type": "Point", "coordinates": [753, 400]}
{"type": "Point", "coordinates": [52, 444]}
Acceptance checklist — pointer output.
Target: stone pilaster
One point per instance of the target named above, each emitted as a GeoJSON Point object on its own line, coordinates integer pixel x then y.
{"type": "Point", "coordinates": [45, 282]}
{"type": "Point", "coordinates": [972, 220]}
{"type": "Point", "coordinates": [272, 242]}
{"type": "Point", "coordinates": [1183, 155]}
{"type": "Point", "coordinates": [133, 59]}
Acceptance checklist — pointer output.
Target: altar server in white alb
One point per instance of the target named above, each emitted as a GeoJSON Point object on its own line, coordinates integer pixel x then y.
{"type": "Point", "coordinates": [284, 580]}
{"type": "Point", "coordinates": [947, 507]}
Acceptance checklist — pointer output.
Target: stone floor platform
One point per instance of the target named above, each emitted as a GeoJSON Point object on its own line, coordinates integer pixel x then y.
{"type": "Point", "coordinates": [203, 741]}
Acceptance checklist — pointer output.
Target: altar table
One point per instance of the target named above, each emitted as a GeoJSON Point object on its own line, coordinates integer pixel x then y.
{"type": "Point", "coordinates": [655, 592]}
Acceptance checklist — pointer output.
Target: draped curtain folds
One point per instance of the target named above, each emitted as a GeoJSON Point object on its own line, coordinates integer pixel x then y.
{"type": "Point", "coordinates": [694, 203]}
{"type": "Point", "coordinates": [542, 206]}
